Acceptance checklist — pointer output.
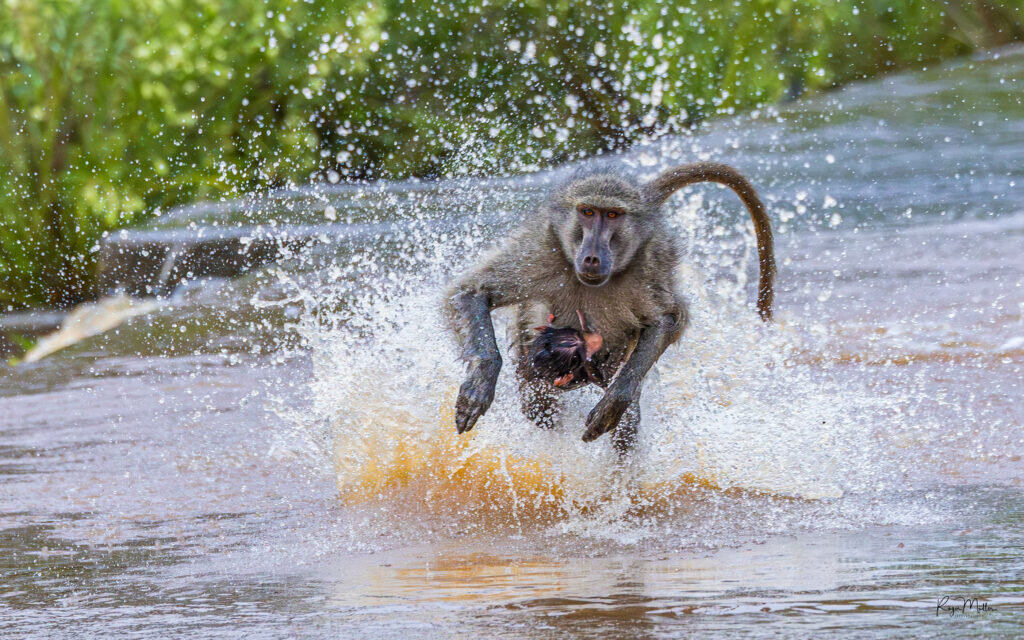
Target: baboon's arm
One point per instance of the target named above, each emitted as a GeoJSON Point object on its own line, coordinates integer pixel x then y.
{"type": "Point", "coordinates": [499, 281]}
{"type": "Point", "coordinates": [625, 388]}
{"type": "Point", "coordinates": [472, 317]}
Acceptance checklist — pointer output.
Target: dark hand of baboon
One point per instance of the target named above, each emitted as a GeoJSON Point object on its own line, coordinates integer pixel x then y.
{"type": "Point", "coordinates": [625, 388]}
{"type": "Point", "coordinates": [606, 413]}
{"type": "Point", "coordinates": [598, 248]}
{"type": "Point", "coordinates": [476, 394]}
{"type": "Point", "coordinates": [481, 353]}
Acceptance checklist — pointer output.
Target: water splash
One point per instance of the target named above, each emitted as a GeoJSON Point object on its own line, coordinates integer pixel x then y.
{"type": "Point", "coordinates": [87, 320]}
{"type": "Point", "coordinates": [735, 411]}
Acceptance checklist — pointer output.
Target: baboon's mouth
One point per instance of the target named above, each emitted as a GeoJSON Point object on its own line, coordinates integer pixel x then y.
{"type": "Point", "coordinates": [591, 281]}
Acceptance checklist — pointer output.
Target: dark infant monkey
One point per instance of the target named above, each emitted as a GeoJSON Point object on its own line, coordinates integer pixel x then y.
{"type": "Point", "coordinates": [596, 259]}
{"type": "Point", "coordinates": [563, 356]}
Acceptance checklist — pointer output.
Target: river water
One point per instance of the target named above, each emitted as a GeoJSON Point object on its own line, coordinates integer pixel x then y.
{"type": "Point", "coordinates": [273, 455]}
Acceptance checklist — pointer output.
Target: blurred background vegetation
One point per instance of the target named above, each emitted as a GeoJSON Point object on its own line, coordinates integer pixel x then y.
{"type": "Point", "coordinates": [113, 110]}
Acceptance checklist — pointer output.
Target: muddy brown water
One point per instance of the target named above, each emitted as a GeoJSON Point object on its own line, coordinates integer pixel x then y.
{"type": "Point", "coordinates": [272, 456]}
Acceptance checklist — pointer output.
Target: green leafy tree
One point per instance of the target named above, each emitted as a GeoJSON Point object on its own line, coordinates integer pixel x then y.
{"type": "Point", "coordinates": [113, 110]}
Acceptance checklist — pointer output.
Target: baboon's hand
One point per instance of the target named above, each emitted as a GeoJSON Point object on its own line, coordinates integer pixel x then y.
{"type": "Point", "coordinates": [606, 414]}
{"type": "Point", "coordinates": [476, 393]}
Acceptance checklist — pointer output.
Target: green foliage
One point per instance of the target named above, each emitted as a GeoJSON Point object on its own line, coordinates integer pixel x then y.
{"type": "Point", "coordinates": [111, 110]}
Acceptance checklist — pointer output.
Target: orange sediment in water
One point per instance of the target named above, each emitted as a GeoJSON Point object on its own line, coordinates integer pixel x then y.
{"type": "Point", "coordinates": [451, 472]}
{"type": "Point", "coordinates": [446, 473]}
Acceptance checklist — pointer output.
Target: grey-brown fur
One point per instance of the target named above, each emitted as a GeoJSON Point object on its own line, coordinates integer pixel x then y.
{"type": "Point", "coordinates": [637, 309]}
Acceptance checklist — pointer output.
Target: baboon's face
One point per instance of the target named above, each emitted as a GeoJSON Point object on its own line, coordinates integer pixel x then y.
{"type": "Point", "coordinates": [600, 225]}
{"type": "Point", "coordinates": [595, 257]}
{"type": "Point", "coordinates": [606, 238]}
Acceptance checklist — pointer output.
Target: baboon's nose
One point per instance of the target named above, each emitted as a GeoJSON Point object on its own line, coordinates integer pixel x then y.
{"type": "Point", "coordinates": [591, 270]}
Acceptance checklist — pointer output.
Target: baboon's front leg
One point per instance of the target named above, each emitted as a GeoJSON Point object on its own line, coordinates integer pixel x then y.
{"type": "Point", "coordinates": [481, 353]}
{"type": "Point", "coordinates": [625, 434]}
{"type": "Point", "coordinates": [539, 399]}
{"type": "Point", "coordinates": [625, 388]}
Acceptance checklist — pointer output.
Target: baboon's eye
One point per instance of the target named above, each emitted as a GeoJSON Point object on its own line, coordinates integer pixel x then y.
{"type": "Point", "coordinates": [614, 213]}
{"type": "Point", "coordinates": [587, 211]}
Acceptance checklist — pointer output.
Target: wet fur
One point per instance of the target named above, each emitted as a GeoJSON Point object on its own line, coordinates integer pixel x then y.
{"type": "Point", "coordinates": [638, 311]}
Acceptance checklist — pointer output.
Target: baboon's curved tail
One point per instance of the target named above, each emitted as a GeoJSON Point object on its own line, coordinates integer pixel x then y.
{"type": "Point", "coordinates": [659, 190]}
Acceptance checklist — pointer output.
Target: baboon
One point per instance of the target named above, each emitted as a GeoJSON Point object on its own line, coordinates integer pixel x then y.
{"type": "Point", "coordinates": [596, 252]}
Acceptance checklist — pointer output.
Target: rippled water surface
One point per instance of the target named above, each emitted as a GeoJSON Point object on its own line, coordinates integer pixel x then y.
{"type": "Point", "coordinates": [273, 455]}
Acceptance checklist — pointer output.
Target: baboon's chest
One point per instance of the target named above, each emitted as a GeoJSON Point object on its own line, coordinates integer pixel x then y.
{"type": "Point", "coordinates": [617, 311]}
{"type": "Point", "coordinates": [618, 337]}
{"type": "Point", "coordinates": [617, 319]}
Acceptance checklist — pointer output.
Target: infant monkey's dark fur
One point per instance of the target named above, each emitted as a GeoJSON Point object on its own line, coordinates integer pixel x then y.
{"type": "Point", "coordinates": [562, 356]}
{"type": "Point", "coordinates": [596, 252]}
{"type": "Point", "coordinates": [556, 353]}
